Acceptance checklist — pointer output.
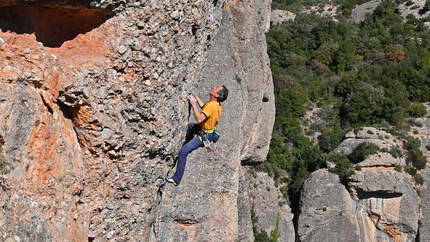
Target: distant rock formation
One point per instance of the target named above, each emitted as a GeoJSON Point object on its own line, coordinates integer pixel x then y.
{"type": "Point", "coordinates": [413, 7]}
{"type": "Point", "coordinates": [384, 207]}
{"type": "Point", "coordinates": [416, 9]}
{"type": "Point", "coordinates": [424, 222]}
{"type": "Point", "coordinates": [279, 16]}
{"type": "Point", "coordinates": [93, 110]}
{"type": "Point", "coordinates": [378, 203]}
{"type": "Point", "coordinates": [359, 13]}
{"type": "Point", "coordinates": [260, 195]}
{"type": "Point", "coordinates": [381, 138]}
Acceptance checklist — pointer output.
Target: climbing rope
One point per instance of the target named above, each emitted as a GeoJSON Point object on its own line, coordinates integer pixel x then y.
{"type": "Point", "coordinates": [168, 214]}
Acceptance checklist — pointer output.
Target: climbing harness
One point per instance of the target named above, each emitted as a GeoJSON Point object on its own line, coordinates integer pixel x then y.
{"type": "Point", "coordinates": [204, 139]}
{"type": "Point", "coordinates": [216, 136]}
{"type": "Point", "coordinates": [168, 214]}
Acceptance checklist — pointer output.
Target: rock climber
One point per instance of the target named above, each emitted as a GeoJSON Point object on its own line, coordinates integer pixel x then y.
{"type": "Point", "coordinates": [206, 119]}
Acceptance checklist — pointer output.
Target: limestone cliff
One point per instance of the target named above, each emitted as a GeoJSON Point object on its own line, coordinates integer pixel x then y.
{"type": "Point", "coordinates": [215, 200]}
{"type": "Point", "coordinates": [93, 110]}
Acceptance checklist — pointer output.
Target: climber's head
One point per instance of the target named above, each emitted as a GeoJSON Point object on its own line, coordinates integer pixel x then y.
{"type": "Point", "coordinates": [219, 93]}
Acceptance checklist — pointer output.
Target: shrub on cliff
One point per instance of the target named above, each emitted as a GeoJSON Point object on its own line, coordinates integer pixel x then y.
{"type": "Point", "coordinates": [362, 151]}
{"type": "Point", "coordinates": [330, 138]}
{"type": "Point", "coordinates": [426, 7]}
{"type": "Point", "coordinates": [260, 235]}
{"type": "Point", "coordinates": [343, 167]}
{"type": "Point", "coordinates": [417, 110]}
{"type": "Point", "coordinates": [417, 159]}
{"type": "Point", "coordinates": [411, 143]}
{"type": "Point", "coordinates": [415, 155]}
{"type": "Point", "coordinates": [4, 165]}
{"type": "Point", "coordinates": [299, 178]}
{"type": "Point", "coordinates": [395, 152]}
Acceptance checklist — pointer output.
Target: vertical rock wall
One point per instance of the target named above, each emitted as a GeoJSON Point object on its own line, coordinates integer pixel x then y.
{"type": "Point", "coordinates": [260, 197]}
{"type": "Point", "coordinates": [424, 224]}
{"type": "Point", "coordinates": [90, 125]}
{"type": "Point", "coordinates": [213, 202]}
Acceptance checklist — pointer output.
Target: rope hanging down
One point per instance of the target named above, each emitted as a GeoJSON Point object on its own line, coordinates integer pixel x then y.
{"type": "Point", "coordinates": [168, 214]}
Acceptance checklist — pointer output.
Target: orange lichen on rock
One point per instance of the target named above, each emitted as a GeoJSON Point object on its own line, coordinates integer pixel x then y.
{"type": "Point", "coordinates": [42, 149]}
{"type": "Point", "coordinates": [81, 115]}
{"type": "Point", "coordinates": [393, 232]}
{"type": "Point", "coordinates": [52, 171]}
{"type": "Point", "coordinates": [378, 168]}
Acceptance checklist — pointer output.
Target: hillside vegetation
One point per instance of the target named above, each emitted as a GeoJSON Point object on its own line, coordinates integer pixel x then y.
{"type": "Point", "coordinates": [376, 73]}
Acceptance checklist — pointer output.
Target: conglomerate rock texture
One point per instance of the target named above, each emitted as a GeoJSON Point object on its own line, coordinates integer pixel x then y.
{"type": "Point", "coordinates": [93, 109]}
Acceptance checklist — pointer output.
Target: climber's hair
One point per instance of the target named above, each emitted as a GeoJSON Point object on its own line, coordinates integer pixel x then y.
{"type": "Point", "coordinates": [222, 94]}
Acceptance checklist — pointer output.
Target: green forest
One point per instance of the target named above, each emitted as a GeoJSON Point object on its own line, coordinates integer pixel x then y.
{"type": "Point", "coordinates": [375, 73]}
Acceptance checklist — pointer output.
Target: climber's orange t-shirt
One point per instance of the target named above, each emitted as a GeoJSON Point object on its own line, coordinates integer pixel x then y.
{"type": "Point", "coordinates": [212, 110]}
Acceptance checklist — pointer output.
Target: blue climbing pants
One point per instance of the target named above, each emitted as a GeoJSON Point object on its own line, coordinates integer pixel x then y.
{"type": "Point", "coordinates": [192, 142]}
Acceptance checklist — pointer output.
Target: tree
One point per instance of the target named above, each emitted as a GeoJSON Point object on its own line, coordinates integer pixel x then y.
{"type": "Point", "coordinates": [364, 105]}
{"type": "Point", "coordinates": [330, 138]}
{"type": "Point", "coordinates": [417, 110]}
{"type": "Point", "coordinates": [395, 53]}
{"type": "Point", "coordinates": [415, 155]}
{"type": "Point", "coordinates": [345, 56]}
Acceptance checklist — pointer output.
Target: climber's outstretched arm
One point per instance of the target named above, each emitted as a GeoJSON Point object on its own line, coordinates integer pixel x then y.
{"type": "Point", "coordinates": [199, 101]}
{"type": "Point", "coordinates": [199, 116]}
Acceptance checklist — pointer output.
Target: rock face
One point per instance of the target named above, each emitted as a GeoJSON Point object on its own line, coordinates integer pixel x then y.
{"type": "Point", "coordinates": [327, 211]}
{"type": "Point", "coordinates": [381, 138]}
{"type": "Point", "coordinates": [377, 204]}
{"type": "Point", "coordinates": [416, 9]}
{"type": "Point", "coordinates": [359, 13]}
{"type": "Point", "coordinates": [209, 203]}
{"type": "Point", "coordinates": [384, 207]}
{"type": "Point", "coordinates": [424, 227]}
{"type": "Point", "coordinates": [421, 132]}
{"type": "Point", "coordinates": [260, 196]}
{"type": "Point", "coordinates": [389, 199]}
{"type": "Point", "coordinates": [369, 135]}
{"type": "Point", "coordinates": [412, 7]}
{"type": "Point", "coordinates": [279, 16]}
{"type": "Point", "coordinates": [93, 110]}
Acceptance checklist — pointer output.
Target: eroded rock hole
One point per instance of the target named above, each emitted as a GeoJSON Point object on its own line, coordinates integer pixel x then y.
{"type": "Point", "coordinates": [52, 25]}
{"type": "Point", "coordinates": [66, 110]}
{"type": "Point", "coordinates": [194, 29]}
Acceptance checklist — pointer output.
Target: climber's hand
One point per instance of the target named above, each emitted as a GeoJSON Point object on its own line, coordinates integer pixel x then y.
{"type": "Point", "coordinates": [192, 100]}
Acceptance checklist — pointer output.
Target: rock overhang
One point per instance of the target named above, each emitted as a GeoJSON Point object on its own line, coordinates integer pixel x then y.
{"type": "Point", "coordinates": [52, 23]}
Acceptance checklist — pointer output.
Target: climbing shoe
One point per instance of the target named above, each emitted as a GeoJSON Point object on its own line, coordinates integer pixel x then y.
{"type": "Point", "coordinates": [170, 180]}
